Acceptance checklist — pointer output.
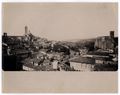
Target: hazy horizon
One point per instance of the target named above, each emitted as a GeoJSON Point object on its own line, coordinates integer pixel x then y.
{"type": "Point", "coordinates": [61, 21]}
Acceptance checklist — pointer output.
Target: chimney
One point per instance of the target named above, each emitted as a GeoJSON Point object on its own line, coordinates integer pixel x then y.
{"type": "Point", "coordinates": [112, 34]}
{"type": "Point", "coordinates": [26, 30]}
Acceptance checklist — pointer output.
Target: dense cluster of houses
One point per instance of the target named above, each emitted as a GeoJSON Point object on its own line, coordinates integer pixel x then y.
{"type": "Point", "coordinates": [39, 54]}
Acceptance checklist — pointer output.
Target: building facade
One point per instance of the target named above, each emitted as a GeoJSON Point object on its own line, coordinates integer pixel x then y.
{"type": "Point", "coordinates": [106, 42]}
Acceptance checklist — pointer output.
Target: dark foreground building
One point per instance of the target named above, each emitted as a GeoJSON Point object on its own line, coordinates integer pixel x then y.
{"type": "Point", "coordinates": [14, 50]}
{"type": "Point", "coordinates": [10, 63]}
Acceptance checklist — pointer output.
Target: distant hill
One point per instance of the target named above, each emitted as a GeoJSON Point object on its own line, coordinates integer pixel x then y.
{"type": "Point", "coordinates": [80, 40]}
{"type": "Point", "coordinates": [79, 44]}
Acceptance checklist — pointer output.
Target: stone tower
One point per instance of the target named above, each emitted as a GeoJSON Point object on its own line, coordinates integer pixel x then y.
{"type": "Point", "coordinates": [26, 30]}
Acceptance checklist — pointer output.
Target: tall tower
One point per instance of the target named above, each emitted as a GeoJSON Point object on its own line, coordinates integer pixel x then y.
{"type": "Point", "coordinates": [26, 30]}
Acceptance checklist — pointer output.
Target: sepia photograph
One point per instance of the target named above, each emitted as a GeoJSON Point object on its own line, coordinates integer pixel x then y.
{"type": "Point", "coordinates": [59, 37]}
{"type": "Point", "coordinates": [65, 47]}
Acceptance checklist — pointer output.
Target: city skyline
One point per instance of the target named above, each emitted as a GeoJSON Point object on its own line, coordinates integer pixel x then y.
{"type": "Point", "coordinates": [63, 21]}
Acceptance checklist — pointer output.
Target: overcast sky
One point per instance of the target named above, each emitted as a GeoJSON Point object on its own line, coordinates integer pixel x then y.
{"type": "Point", "coordinates": [63, 21]}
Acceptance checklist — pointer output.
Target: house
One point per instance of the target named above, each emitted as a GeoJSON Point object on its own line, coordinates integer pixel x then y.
{"type": "Point", "coordinates": [83, 51]}
{"type": "Point", "coordinates": [82, 63]}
